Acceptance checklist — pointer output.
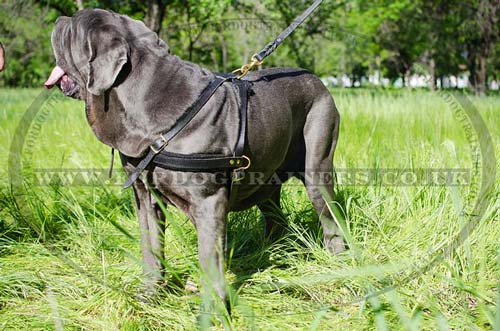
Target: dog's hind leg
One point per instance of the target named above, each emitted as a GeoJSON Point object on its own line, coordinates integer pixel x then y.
{"type": "Point", "coordinates": [152, 231]}
{"type": "Point", "coordinates": [273, 216]}
{"type": "Point", "coordinates": [321, 133]}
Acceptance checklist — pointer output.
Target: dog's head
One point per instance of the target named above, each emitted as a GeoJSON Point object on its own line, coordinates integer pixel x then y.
{"type": "Point", "coordinates": [95, 50]}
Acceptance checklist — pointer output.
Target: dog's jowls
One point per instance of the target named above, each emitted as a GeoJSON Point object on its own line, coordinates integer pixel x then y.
{"type": "Point", "coordinates": [134, 89]}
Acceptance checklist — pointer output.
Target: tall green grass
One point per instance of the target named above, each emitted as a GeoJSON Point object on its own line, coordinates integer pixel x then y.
{"type": "Point", "coordinates": [70, 256]}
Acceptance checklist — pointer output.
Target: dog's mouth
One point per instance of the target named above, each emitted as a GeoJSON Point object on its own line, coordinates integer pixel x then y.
{"type": "Point", "coordinates": [61, 79]}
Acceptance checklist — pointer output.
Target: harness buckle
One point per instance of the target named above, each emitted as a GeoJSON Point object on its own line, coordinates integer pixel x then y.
{"type": "Point", "coordinates": [164, 144]}
{"type": "Point", "coordinates": [238, 171]}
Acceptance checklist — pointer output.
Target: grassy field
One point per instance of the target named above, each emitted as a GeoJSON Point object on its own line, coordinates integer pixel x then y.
{"type": "Point", "coordinates": [70, 255]}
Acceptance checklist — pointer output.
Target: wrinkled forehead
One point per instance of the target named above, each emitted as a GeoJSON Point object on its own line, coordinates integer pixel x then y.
{"type": "Point", "coordinates": [70, 56]}
{"type": "Point", "coordinates": [71, 32]}
{"type": "Point", "coordinates": [69, 39]}
{"type": "Point", "coordinates": [60, 38]}
{"type": "Point", "coordinates": [71, 43]}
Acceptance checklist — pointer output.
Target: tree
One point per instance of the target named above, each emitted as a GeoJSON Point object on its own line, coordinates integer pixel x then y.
{"type": "Point", "coordinates": [194, 18]}
{"type": "Point", "coordinates": [343, 37]}
{"type": "Point", "coordinates": [307, 39]}
{"type": "Point", "coordinates": [480, 31]}
{"type": "Point", "coordinates": [27, 42]}
{"type": "Point", "coordinates": [63, 7]}
{"type": "Point", "coordinates": [79, 4]}
{"type": "Point", "coordinates": [401, 34]}
{"type": "Point", "coordinates": [440, 37]}
{"type": "Point", "coordinates": [155, 13]}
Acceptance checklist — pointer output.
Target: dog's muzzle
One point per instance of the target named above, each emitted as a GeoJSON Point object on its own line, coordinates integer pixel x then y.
{"type": "Point", "coordinates": [61, 79]}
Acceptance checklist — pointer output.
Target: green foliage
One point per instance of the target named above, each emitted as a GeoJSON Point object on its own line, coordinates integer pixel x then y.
{"type": "Point", "coordinates": [354, 38]}
{"type": "Point", "coordinates": [25, 33]}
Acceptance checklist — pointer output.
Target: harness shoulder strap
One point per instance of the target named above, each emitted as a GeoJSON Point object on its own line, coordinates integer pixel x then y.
{"type": "Point", "coordinates": [244, 89]}
{"type": "Point", "coordinates": [159, 144]}
{"type": "Point", "coordinates": [239, 173]}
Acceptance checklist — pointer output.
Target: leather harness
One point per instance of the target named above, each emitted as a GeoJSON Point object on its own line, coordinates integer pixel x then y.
{"type": "Point", "coordinates": [237, 162]}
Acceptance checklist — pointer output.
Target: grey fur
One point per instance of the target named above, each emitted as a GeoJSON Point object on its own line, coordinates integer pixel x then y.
{"type": "Point", "coordinates": [134, 89]}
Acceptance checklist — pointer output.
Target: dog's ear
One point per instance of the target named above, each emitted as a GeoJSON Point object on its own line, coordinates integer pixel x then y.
{"type": "Point", "coordinates": [109, 51]}
{"type": "Point", "coordinates": [2, 57]}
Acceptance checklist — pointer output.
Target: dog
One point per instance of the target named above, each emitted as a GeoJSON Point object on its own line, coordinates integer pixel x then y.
{"type": "Point", "coordinates": [134, 89]}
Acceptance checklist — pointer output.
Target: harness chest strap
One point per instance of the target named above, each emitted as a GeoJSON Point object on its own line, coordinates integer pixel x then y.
{"type": "Point", "coordinates": [197, 162]}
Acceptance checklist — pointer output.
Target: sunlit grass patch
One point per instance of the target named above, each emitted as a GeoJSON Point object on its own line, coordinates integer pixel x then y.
{"type": "Point", "coordinates": [70, 256]}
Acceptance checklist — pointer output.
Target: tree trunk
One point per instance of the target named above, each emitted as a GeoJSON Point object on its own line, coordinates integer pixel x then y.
{"type": "Point", "coordinates": [487, 24]}
{"type": "Point", "coordinates": [189, 29]}
{"type": "Point", "coordinates": [154, 14]}
{"type": "Point", "coordinates": [190, 50]}
{"type": "Point", "coordinates": [378, 61]}
{"type": "Point", "coordinates": [481, 74]}
{"type": "Point", "coordinates": [215, 62]}
{"type": "Point", "coordinates": [79, 4]}
{"type": "Point", "coordinates": [477, 70]}
{"type": "Point", "coordinates": [223, 49]}
{"type": "Point", "coordinates": [342, 70]}
{"type": "Point", "coordinates": [407, 78]}
{"type": "Point", "coordinates": [224, 55]}
{"type": "Point", "coordinates": [472, 70]}
{"type": "Point", "coordinates": [433, 74]}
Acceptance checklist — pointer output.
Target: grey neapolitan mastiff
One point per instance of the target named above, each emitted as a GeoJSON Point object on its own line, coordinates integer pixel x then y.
{"type": "Point", "coordinates": [134, 89]}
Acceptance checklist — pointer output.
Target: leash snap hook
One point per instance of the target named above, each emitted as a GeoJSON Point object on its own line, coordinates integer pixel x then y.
{"type": "Point", "coordinates": [247, 67]}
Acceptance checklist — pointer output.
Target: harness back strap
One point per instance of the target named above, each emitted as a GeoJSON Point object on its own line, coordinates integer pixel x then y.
{"type": "Point", "coordinates": [159, 144]}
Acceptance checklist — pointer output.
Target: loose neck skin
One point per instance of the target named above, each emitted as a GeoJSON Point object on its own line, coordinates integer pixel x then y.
{"type": "Point", "coordinates": [155, 93]}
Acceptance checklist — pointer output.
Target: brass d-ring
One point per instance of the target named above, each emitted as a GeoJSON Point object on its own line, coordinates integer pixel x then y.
{"type": "Point", "coordinates": [237, 170]}
{"type": "Point", "coordinates": [249, 163]}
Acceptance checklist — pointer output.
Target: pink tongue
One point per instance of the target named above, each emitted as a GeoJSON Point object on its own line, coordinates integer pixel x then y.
{"type": "Point", "coordinates": [55, 76]}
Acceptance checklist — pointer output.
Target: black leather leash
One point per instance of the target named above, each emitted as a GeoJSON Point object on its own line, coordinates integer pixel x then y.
{"type": "Point", "coordinates": [271, 47]}
{"type": "Point", "coordinates": [258, 58]}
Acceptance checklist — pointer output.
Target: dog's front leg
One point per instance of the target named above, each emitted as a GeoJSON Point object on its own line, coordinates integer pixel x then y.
{"type": "Point", "coordinates": [152, 231]}
{"type": "Point", "coordinates": [210, 218]}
